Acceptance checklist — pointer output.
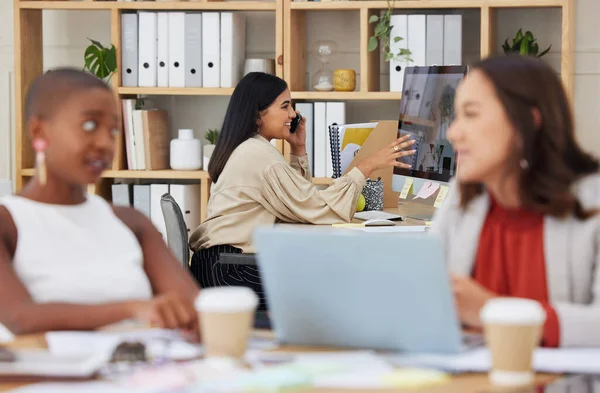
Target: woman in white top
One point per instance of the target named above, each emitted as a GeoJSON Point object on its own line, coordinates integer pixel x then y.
{"type": "Point", "coordinates": [69, 260]}
{"type": "Point", "coordinates": [254, 185]}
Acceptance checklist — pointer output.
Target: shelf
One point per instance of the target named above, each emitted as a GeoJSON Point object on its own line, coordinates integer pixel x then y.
{"type": "Point", "coordinates": [150, 5]}
{"type": "Point", "coordinates": [322, 181]}
{"type": "Point", "coordinates": [160, 174]}
{"type": "Point", "coordinates": [346, 95]}
{"type": "Point", "coordinates": [419, 4]}
{"type": "Point", "coordinates": [182, 91]}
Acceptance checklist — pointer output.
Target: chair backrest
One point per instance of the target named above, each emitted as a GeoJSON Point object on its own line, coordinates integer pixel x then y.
{"type": "Point", "coordinates": [177, 236]}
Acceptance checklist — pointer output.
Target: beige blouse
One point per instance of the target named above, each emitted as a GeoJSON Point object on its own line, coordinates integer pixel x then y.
{"type": "Point", "coordinates": [259, 187]}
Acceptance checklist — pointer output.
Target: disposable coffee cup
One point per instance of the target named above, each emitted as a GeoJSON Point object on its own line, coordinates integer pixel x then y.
{"type": "Point", "coordinates": [226, 318]}
{"type": "Point", "coordinates": [513, 329]}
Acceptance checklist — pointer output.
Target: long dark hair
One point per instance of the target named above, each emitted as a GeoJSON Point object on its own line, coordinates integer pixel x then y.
{"type": "Point", "coordinates": [554, 158]}
{"type": "Point", "coordinates": [253, 94]}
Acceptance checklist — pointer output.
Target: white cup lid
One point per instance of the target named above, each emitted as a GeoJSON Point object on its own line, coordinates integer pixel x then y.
{"type": "Point", "coordinates": [512, 311]}
{"type": "Point", "coordinates": [226, 299]}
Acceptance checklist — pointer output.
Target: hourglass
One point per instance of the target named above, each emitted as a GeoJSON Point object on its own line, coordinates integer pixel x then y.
{"type": "Point", "coordinates": [322, 80]}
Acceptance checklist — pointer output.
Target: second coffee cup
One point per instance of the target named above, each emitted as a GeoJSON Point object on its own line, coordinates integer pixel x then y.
{"type": "Point", "coordinates": [513, 329]}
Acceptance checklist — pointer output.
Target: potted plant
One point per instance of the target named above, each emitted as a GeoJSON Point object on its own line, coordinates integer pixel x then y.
{"type": "Point", "coordinates": [382, 37]}
{"type": "Point", "coordinates": [524, 44]}
{"type": "Point", "coordinates": [100, 61]}
{"type": "Point", "coordinates": [212, 135]}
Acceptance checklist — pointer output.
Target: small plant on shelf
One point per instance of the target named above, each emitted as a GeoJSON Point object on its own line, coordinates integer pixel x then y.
{"type": "Point", "coordinates": [212, 136]}
{"type": "Point", "coordinates": [100, 61]}
{"type": "Point", "coordinates": [524, 44]}
{"type": "Point", "coordinates": [381, 36]}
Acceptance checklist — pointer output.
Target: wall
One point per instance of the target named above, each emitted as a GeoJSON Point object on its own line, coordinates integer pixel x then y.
{"type": "Point", "coordinates": [65, 35]}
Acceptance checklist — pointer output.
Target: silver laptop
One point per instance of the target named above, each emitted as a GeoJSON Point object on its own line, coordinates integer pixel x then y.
{"type": "Point", "coordinates": [352, 289]}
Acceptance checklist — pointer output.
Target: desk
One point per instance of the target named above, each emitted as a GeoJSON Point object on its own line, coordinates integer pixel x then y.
{"type": "Point", "coordinates": [465, 383]}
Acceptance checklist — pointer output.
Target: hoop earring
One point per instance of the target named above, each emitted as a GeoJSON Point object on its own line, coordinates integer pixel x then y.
{"type": "Point", "coordinates": [524, 164]}
{"type": "Point", "coordinates": [40, 160]}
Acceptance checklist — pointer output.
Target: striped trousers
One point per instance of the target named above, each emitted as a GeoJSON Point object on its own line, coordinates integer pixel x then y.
{"type": "Point", "coordinates": [209, 272]}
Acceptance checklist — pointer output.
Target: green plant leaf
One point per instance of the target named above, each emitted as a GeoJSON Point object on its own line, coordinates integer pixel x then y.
{"type": "Point", "coordinates": [94, 60]}
{"type": "Point", "coordinates": [373, 18]}
{"type": "Point", "coordinates": [545, 51]}
{"type": "Point", "coordinates": [98, 44]}
{"type": "Point", "coordinates": [372, 44]}
{"type": "Point", "coordinates": [379, 29]}
{"type": "Point", "coordinates": [533, 49]}
{"type": "Point", "coordinates": [389, 56]}
{"type": "Point", "coordinates": [111, 59]}
{"type": "Point", "coordinates": [398, 39]}
{"type": "Point", "coordinates": [524, 48]}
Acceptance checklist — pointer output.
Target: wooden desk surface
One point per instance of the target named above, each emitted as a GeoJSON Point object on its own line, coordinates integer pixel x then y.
{"type": "Point", "coordinates": [464, 383]}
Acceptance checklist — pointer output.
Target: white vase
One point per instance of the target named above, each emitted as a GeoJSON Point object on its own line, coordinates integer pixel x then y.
{"type": "Point", "coordinates": [208, 151]}
{"type": "Point", "coordinates": [186, 151]}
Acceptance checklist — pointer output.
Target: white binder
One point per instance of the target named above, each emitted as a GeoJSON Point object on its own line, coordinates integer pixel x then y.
{"type": "Point", "coordinates": [336, 114]}
{"type": "Point", "coordinates": [177, 49]}
{"type": "Point", "coordinates": [162, 62]}
{"type": "Point", "coordinates": [129, 52]}
{"type": "Point", "coordinates": [193, 49]}
{"type": "Point", "coordinates": [233, 48]}
{"type": "Point", "coordinates": [211, 60]}
{"type": "Point", "coordinates": [435, 40]}
{"type": "Point", "coordinates": [147, 49]}
{"type": "Point", "coordinates": [452, 39]}
{"type": "Point", "coordinates": [416, 39]}
{"type": "Point", "coordinates": [399, 29]}
{"type": "Point", "coordinates": [187, 197]}
{"type": "Point", "coordinates": [321, 139]}
{"type": "Point", "coordinates": [156, 214]}
{"type": "Point", "coordinates": [306, 109]}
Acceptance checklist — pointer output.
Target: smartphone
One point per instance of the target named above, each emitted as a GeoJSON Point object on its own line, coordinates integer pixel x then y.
{"type": "Point", "coordinates": [295, 121]}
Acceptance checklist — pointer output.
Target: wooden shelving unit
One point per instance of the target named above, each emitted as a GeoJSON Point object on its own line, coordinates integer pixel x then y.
{"type": "Point", "coordinates": [291, 28]}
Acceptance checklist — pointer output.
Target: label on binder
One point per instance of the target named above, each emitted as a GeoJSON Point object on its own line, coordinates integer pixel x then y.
{"type": "Point", "coordinates": [441, 196]}
{"type": "Point", "coordinates": [408, 185]}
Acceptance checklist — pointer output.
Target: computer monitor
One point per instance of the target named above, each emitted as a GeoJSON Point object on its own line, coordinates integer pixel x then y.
{"type": "Point", "coordinates": [426, 111]}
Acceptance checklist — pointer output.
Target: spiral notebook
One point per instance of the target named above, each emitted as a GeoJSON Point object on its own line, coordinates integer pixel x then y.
{"type": "Point", "coordinates": [346, 140]}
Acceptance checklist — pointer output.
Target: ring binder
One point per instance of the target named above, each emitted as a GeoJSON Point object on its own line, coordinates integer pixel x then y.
{"type": "Point", "coordinates": [334, 141]}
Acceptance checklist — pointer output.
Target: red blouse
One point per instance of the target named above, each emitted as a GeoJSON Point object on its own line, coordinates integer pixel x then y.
{"type": "Point", "coordinates": [510, 260]}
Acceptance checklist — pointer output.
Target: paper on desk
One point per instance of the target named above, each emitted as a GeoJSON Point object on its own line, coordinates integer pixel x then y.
{"type": "Point", "coordinates": [80, 387]}
{"type": "Point", "coordinates": [427, 190]}
{"type": "Point", "coordinates": [550, 360]}
{"type": "Point", "coordinates": [393, 229]}
{"type": "Point", "coordinates": [160, 342]}
{"type": "Point", "coordinates": [82, 343]}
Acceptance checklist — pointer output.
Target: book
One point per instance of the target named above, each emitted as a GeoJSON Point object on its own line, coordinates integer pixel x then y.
{"type": "Point", "coordinates": [346, 140]}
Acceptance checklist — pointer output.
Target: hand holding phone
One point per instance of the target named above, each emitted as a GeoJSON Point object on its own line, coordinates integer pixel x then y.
{"type": "Point", "coordinates": [295, 122]}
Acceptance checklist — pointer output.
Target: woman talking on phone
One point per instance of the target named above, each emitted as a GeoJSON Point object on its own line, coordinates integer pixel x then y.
{"type": "Point", "coordinates": [254, 185]}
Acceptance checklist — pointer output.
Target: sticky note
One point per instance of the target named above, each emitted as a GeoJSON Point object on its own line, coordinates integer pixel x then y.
{"type": "Point", "coordinates": [408, 185]}
{"type": "Point", "coordinates": [416, 378]}
{"type": "Point", "coordinates": [441, 196]}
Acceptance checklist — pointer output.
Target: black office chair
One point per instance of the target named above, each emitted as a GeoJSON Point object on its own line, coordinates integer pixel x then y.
{"type": "Point", "coordinates": [177, 239]}
{"type": "Point", "coordinates": [177, 235]}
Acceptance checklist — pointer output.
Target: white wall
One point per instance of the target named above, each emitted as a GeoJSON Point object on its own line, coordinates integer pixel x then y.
{"type": "Point", "coordinates": [65, 35]}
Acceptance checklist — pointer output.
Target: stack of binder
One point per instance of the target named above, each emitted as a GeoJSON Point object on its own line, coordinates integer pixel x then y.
{"type": "Point", "coordinates": [183, 49]}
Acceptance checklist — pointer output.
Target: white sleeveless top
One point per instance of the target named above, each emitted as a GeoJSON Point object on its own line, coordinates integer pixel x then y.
{"type": "Point", "coordinates": [76, 253]}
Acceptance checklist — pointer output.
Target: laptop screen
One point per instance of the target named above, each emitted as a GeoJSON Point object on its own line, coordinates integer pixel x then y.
{"type": "Point", "coordinates": [426, 112]}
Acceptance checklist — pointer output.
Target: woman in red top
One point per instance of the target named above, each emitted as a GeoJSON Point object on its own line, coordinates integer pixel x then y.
{"type": "Point", "coordinates": [520, 220]}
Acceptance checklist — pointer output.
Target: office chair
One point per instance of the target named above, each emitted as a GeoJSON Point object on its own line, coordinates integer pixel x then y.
{"type": "Point", "coordinates": [177, 236]}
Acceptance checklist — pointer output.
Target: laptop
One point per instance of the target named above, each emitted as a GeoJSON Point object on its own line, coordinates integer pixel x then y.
{"type": "Point", "coordinates": [351, 289]}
